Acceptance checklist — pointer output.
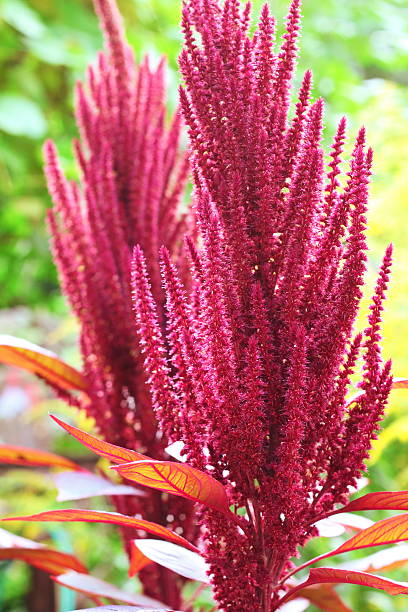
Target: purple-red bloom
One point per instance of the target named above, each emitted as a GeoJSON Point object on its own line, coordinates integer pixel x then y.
{"type": "Point", "coordinates": [253, 371]}
{"type": "Point", "coordinates": [132, 180]}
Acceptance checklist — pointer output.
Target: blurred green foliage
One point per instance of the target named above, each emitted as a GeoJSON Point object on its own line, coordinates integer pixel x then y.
{"type": "Point", "coordinates": [359, 54]}
{"type": "Point", "coordinates": [353, 48]}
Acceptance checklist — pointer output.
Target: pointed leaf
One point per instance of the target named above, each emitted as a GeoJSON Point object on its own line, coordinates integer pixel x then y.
{"type": "Point", "coordinates": [332, 576]}
{"type": "Point", "coordinates": [23, 354]}
{"type": "Point", "coordinates": [400, 383]}
{"type": "Point", "coordinates": [178, 479]}
{"type": "Point", "coordinates": [137, 559]}
{"type": "Point", "coordinates": [95, 516]}
{"type": "Point", "coordinates": [114, 453]}
{"type": "Point", "coordinates": [11, 540]}
{"type": "Point", "coordinates": [328, 575]}
{"type": "Point", "coordinates": [94, 587]}
{"type": "Point", "coordinates": [381, 500]}
{"type": "Point", "coordinates": [21, 455]}
{"type": "Point", "coordinates": [381, 561]}
{"type": "Point", "coordinates": [387, 531]}
{"type": "Point", "coordinates": [184, 562]}
{"type": "Point", "coordinates": [74, 485]}
{"type": "Point", "coordinates": [338, 524]}
{"type": "Point", "coordinates": [37, 555]}
{"type": "Point", "coordinates": [324, 597]}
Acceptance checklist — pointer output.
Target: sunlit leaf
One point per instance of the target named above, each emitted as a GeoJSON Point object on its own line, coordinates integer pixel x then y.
{"type": "Point", "coordinates": [184, 562]}
{"type": "Point", "coordinates": [381, 561]}
{"type": "Point", "coordinates": [21, 455]}
{"type": "Point", "coordinates": [137, 559]}
{"type": "Point", "coordinates": [178, 479]}
{"type": "Point", "coordinates": [381, 500]}
{"type": "Point", "coordinates": [324, 597]}
{"type": "Point", "coordinates": [400, 383]}
{"type": "Point", "coordinates": [114, 453]}
{"type": "Point", "coordinates": [328, 575]}
{"type": "Point", "coordinates": [74, 485]}
{"type": "Point", "coordinates": [54, 562]}
{"type": "Point", "coordinates": [387, 531]}
{"type": "Point", "coordinates": [23, 354]}
{"type": "Point", "coordinates": [95, 516]}
{"type": "Point", "coordinates": [94, 587]}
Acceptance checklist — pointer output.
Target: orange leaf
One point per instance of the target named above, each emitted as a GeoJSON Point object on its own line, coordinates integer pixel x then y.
{"type": "Point", "coordinates": [46, 559]}
{"type": "Point", "coordinates": [332, 576]}
{"type": "Point", "coordinates": [137, 560]}
{"type": "Point", "coordinates": [387, 531]}
{"type": "Point", "coordinates": [116, 454]}
{"type": "Point", "coordinates": [94, 587]}
{"type": "Point", "coordinates": [114, 518]}
{"type": "Point", "coordinates": [23, 354]}
{"type": "Point", "coordinates": [21, 455]}
{"type": "Point", "coordinates": [381, 561]}
{"type": "Point", "coordinates": [381, 500]}
{"type": "Point", "coordinates": [178, 479]}
{"type": "Point", "coordinates": [328, 575]}
{"type": "Point", "coordinates": [323, 596]}
{"type": "Point", "coordinates": [400, 383]}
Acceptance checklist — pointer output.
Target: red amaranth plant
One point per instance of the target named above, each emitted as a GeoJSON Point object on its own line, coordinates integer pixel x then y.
{"type": "Point", "coordinates": [254, 369]}
{"type": "Point", "coordinates": [132, 180]}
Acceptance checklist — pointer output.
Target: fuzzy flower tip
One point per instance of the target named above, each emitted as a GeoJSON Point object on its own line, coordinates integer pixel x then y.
{"type": "Point", "coordinates": [132, 180]}
{"type": "Point", "coordinates": [260, 354]}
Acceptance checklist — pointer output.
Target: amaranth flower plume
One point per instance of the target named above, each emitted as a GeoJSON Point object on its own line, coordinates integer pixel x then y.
{"type": "Point", "coordinates": [132, 181]}
{"type": "Point", "coordinates": [256, 363]}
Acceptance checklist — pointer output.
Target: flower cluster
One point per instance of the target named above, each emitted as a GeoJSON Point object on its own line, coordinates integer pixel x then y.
{"type": "Point", "coordinates": [132, 181]}
{"type": "Point", "coordinates": [253, 371]}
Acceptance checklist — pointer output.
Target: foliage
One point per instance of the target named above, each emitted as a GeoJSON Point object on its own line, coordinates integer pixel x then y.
{"type": "Point", "coordinates": [49, 50]}
{"type": "Point", "coordinates": [46, 46]}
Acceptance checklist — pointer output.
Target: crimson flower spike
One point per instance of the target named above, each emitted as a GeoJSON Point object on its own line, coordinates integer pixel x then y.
{"type": "Point", "coordinates": [132, 180]}
{"type": "Point", "coordinates": [253, 370]}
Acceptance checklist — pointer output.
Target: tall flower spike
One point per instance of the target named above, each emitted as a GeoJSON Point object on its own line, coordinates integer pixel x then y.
{"type": "Point", "coordinates": [264, 346]}
{"type": "Point", "coordinates": [132, 179]}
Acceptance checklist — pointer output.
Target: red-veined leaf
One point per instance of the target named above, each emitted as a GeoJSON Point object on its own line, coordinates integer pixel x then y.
{"type": "Point", "coordinates": [74, 485]}
{"type": "Point", "coordinates": [178, 479]}
{"type": "Point", "coordinates": [381, 561]}
{"type": "Point", "coordinates": [387, 531]}
{"type": "Point", "coordinates": [94, 587]}
{"type": "Point", "coordinates": [381, 500]}
{"type": "Point", "coordinates": [95, 516]}
{"type": "Point", "coordinates": [400, 383]}
{"type": "Point", "coordinates": [324, 597]}
{"type": "Point", "coordinates": [114, 453]}
{"type": "Point", "coordinates": [23, 354]}
{"type": "Point", "coordinates": [14, 547]}
{"type": "Point", "coordinates": [137, 559]}
{"type": "Point", "coordinates": [180, 560]}
{"type": "Point", "coordinates": [22, 455]}
{"type": "Point", "coordinates": [328, 575]}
